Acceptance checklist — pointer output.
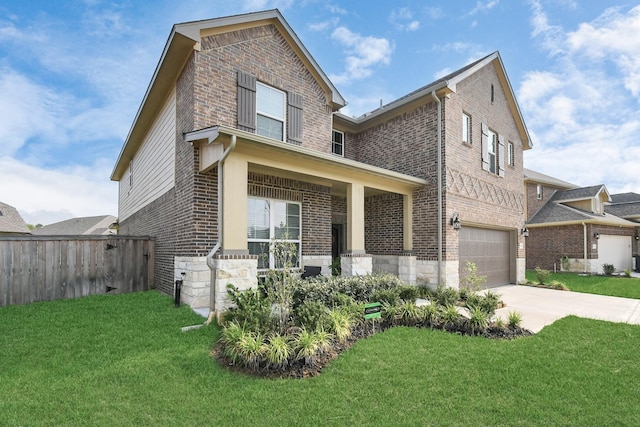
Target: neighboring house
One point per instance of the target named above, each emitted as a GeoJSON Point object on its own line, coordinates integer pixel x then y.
{"type": "Point", "coordinates": [570, 228]}
{"type": "Point", "coordinates": [11, 223]}
{"type": "Point", "coordinates": [238, 141]}
{"type": "Point", "coordinates": [625, 205]}
{"type": "Point", "coordinates": [91, 225]}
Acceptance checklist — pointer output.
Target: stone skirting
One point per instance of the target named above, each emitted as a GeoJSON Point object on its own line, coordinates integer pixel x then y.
{"type": "Point", "coordinates": [322, 261]}
{"type": "Point", "coordinates": [356, 264]}
{"type": "Point", "coordinates": [196, 280]}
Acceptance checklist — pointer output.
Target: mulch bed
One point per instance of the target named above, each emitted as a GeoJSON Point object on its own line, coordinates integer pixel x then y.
{"type": "Point", "coordinates": [299, 369]}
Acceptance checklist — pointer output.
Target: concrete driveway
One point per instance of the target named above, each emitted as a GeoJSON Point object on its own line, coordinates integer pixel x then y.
{"type": "Point", "coordinates": [540, 307]}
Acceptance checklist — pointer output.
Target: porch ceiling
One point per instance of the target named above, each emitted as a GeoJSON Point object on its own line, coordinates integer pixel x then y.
{"type": "Point", "coordinates": [268, 156]}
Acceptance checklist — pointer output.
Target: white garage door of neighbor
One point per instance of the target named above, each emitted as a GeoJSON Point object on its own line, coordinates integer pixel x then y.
{"type": "Point", "coordinates": [615, 250]}
{"type": "Point", "coordinates": [489, 250]}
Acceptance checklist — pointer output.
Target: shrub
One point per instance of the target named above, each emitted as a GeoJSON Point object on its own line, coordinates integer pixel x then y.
{"type": "Point", "coordinates": [556, 284]}
{"type": "Point", "coordinates": [390, 296]}
{"type": "Point", "coordinates": [499, 323]}
{"type": "Point", "coordinates": [542, 275]}
{"type": "Point", "coordinates": [472, 280]}
{"type": "Point", "coordinates": [390, 312]}
{"type": "Point", "coordinates": [409, 313]}
{"type": "Point", "coordinates": [514, 319]}
{"type": "Point", "coordinates": [608, 269]}
{"type": "Point", "coordinates": [251, 349]}
{"type": "Point", "coordinates": [251, 309]}
{"type": "Point", "coordinates": [230, 336]}
{"type": "Point", "coordinates": [489, 302]}
{"type": "Point", "coordinates": [432, 315]}
{"type": "Point", "coordinates": [627, 273]}
{"type": "Point", "coordinates": [312, 315]}
{"type": "Point", "coordinates": [450, 316]}
{"type": "Point", "coordinates": [446, 296]}
{"type": "Point", "coordinates": [339, 324]}
{"type": "Point", "coordinates": [278, 351]}
{"type": "Point", "coordinates": [478, 321]}
{"type": "Point", "coordinates": [408, 293]}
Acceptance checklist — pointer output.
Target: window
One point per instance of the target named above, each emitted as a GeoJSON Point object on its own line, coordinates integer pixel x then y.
{"type": "Point", "coordinates": [492, 94]}
{"type": "Point", "coordinates": [130, 178]}
{"type": "Point", "coordinates": [337, 143]}
{"type": "Point", "coordinates": [493, 156]}
{"type": "Point", "coordinates": [466, 128]}
{"type": "Point", "coordinates": [539, 191]}
{"type": "Point", "coordinates": [270, 110]}
{"type": "Point", "coordinates": [493, 142]}
{"type": "Point", "coordinates": [268, 220]}
{"type": "Point", "coordinates": [511, 155]}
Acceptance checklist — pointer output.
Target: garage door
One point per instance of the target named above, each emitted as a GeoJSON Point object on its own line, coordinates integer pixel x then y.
{"type": "Point", "coordinates": [489, 250]}
{"type": "Point", "coordinates": [615, 250]}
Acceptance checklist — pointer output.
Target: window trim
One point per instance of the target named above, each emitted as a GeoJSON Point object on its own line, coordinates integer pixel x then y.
{"type": "Point", "coordinates": [272, 227]}
{"type": "Point", "coordinates": [539, 190]}
{"type": "Point", "coordinates": [334, 143]}
{"type": "Point", "coordinates": [282, 120]}
{"type": "Point", "coordinates": [511, 154]}
{"type": "Point", "coordinates": [466, 129]}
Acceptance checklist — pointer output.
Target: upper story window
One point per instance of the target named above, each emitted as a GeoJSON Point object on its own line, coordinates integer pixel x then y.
{"type": "Point", "coordinates": [493, 159]}
{"type": "Point", "coordinates": [337, 143]}
{"type": "Point", "coordinates": [511, 154]}
{"type": "Point", "coordinates": [466, 128]}
{"type": "Point", "coordinates": [270, 112]}
{"type": "Point", "coordinates": [539, 191]}
{"type": "Point", "coordinates": [493, 149]}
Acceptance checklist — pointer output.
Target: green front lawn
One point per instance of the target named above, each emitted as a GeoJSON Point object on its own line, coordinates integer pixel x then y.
{"type": "Point", "coordinates": [122, 360]}
{"type": "Point", "coordinates": [617, 286]}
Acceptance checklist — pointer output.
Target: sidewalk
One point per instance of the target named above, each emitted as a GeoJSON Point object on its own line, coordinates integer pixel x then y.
{"type": "Point", "coordinates": [540, 307]}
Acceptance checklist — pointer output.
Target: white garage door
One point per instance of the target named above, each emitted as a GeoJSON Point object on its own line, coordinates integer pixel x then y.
{"type": "Point", "coordinates": [615, 250]}
{"type": "Point", "coordinates": [489, 250]}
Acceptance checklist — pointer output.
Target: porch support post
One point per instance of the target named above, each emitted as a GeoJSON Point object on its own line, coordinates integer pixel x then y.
{"type": "Point", "coordinates": [355, 218]}
{"type": "Point", "coordinates": [407, 222]}
{"type": "Point", "coordinates": [234, 206]}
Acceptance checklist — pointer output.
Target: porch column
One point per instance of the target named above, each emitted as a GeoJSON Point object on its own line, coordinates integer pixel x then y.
{"type": "Point", "coordinates": [355, 218]}
{"type": "Point", "coordinates": [234, 206]}
{"type": "Point", "coordinates": [407, 222]}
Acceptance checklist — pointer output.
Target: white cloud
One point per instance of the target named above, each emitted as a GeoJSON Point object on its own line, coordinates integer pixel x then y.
{"type": "Point", "coordinates": [45, 196]}
{"type": "Point", "coordinates": [256, 5]}
{"type": "Point", "coordinates": [363, 53]}
{"type": "Point", "coordinates": [584, 120]}
{"type": "Point", "coordinates": [483, 6]}
{"type": "Point", "coordinates": [403, 20]}
{"type": "Point", "coordinates": [324, 25]}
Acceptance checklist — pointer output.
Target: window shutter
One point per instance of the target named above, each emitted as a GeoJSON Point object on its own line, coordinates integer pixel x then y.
{"type": "Point", "coordinates": [485, 146]}
{"type": "Point", "coordinates": [500, 160]}
{"type": "Point", "coordinates": [246, 102]}
{"type": "Point", "coordinates": [294, 112]}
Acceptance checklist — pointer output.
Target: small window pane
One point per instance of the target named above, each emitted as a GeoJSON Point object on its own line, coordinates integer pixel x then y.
{"type": "Point", "coordinates": [466, 128]}
{"type": "Point", "coordinates": [270, 128]}
{"type": "Point", "coordinates": [258, 219]}
{"type": "Point", "coordinates": [270, 101]}
{"type": "Point", "coordinates": [337, 145]}
{"type": "Point", "coordinates": [262, 250]}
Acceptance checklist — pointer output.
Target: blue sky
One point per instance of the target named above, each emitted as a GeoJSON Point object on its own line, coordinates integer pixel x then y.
{"type": "Point", "coordinates": [72, 77]}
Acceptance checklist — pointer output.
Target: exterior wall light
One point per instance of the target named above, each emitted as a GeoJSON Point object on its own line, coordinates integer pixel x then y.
{"type": "Point", "coordinates": [525, 232]}
{"type": "Point", "coordinates": [455, 221]}
{"type": "Point", "coordinates": [596, 235]}
{"type": "Point", "coordinates": [637, 236]}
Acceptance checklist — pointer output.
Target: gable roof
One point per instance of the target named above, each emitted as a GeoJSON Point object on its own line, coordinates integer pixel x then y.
{"type": "Point", "coordinates": [625, 205]}
{"type": "Point", "coordinates": [11, 221]}
{"type": "Point", "coordinates": [581, 193]}
{"type": "Point", "coordinates": [182, 41]}
{"type": "Point", "coordinates": [533, 176]}
{"type": "Point", "coordinates": [90, 225]}
{"type": "Point", "coordinates": [446, 85]}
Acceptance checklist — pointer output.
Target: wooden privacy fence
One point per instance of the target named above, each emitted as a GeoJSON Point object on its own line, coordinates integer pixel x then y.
{"type": "Point", "coordinates": [46, 268]}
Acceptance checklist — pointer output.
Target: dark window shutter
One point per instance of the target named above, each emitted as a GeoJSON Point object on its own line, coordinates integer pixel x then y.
{"type": "Point", "coordinates": [485, 146]}
{"type": "Point", "coordinates": [294, 113]}
{"type": "Point", "coordinates": [246, 102]}
{"type": "Point", "coordinates": [501, 159]}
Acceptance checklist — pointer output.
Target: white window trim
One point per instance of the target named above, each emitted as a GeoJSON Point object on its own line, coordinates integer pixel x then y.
{"type": "Point", "coordinates": [466, 133]}
{"type": "Point", "coordinates": [492, 141]}
{"type": "Point", "coordinates": [282, 119]}
{"type": "Point", "coordinates": [272, 232]}
{"type": "Point", "coordinates": [511, 154]}
{"type": "Point", "coordinates": [333, 143]}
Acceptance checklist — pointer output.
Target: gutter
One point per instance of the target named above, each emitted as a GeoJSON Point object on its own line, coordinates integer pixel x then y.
{"type": "Point", "coordinates": [585, 248]}
{"type": "Point", "coordinates": [216, 247]}
{"type": "Point", "coordinates": [439, 166]}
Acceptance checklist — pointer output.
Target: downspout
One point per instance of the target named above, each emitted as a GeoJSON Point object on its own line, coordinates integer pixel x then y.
{"type": "Point", "coordinates": [216, 247]}
{"type": "Point", "coordinates": [584, 227]}
{"type": "Point", "coordinates": [439, 166]}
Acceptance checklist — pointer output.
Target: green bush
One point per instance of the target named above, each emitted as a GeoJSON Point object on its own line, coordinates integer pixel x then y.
{"type": "Point", "coordinates": [514, 319]}
{"type": "Point", "coordinates": [312, 315]}
{"type": "Point", "coordinates": [542, 275]}
{"type": "Point", "coordinates": [409, 314]}
{"type": "Point", "coordinates": [390, 296]}
{"type": "Point", "coordinates": [445, 296]}
{"type": "Point", "coordinates": [408, 293]}
{"type": "Point", "coordinates": [478, 321]}
{"type": "Point", "coordinates": [450, 316]}
{"type": "Point", "coordinates": [278, 351]}
{"type": "Point", "coordinates": [608, 269]}
{"type": "Point", "coordinates": [472, 280]}
{"type": "Point", "coordinates": [432, 315]}
{"type": "Point", "coordinates": [252, 309]}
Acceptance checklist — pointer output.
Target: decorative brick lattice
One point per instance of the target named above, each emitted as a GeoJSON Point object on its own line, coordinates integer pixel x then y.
{"type": "Point", "coordinates": [475, 188]}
